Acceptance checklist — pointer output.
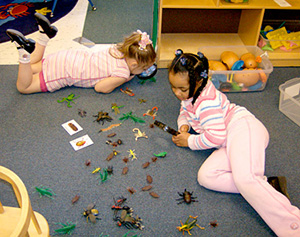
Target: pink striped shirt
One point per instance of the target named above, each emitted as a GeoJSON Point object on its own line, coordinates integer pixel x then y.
{"type": "Point", "coordinates": [210, 117]}
{"type": "Point", "coordinates": [82, 68]}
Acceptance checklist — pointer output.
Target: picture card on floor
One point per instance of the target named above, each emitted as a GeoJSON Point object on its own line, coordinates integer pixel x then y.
{"type": "Point", "coordinates": [72, 127]}
{"type": "Point", "coordinates": [81, 142]}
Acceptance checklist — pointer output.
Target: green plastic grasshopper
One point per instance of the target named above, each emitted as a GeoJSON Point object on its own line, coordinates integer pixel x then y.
{"type": "Point", "coordinates": [66, 228]}
{"type": "Point", "coordinates": [187, 226]}
{"type": "Point", "coordinates": [68, 99]}
{"type": "Point", "coordinates": [43, 191]}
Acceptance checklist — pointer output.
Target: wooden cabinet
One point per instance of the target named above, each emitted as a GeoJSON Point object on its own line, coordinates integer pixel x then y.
{"type": "Point", "coordinates": [191, 24]}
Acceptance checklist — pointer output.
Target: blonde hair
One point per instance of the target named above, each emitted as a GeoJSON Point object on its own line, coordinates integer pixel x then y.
{"type": "Point", "coordinates": [130, 47]}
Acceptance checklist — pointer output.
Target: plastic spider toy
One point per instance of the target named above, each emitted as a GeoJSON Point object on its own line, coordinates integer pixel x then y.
{"type": "Point", "coordinates": [186, 197]}
{"type": "Point", "coordinates": [103, 116]}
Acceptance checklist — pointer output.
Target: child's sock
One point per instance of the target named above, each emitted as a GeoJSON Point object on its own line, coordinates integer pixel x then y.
{"type": "Point", "coordinates": [42, 37]}
{"type": "Point", "coordinates": [24, 56]}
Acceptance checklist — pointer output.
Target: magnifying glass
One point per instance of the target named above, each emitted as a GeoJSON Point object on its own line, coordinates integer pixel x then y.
{"type": "Point", "coordinates": [150, 72]}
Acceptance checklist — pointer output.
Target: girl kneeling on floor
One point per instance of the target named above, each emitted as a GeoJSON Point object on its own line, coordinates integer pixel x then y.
{"type": "Point", "coordinates": [237, 166]}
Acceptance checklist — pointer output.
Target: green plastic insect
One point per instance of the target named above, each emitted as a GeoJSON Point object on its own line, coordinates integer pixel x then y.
{"type": "Point", "coordinates": [127, 234]}
{"type": "Point", "coordinates": [66, 228]}
{"type": "Point", "coordinates": [101, 235]}
{"type": "Point", "coordinates": [103, 176]}
{"type": "Point", "coordinates": [116, 108]}
{"type": "Point", "coordinates": [43, 191]}
{"type": "Point", "coordinates": [130, 116]}
{"type": "Point", "coordinates": [68, 99]}
{"type": "Point", "coordinates": [142, 81]}
{"type": "Point", "coordinates": [161, 155]}
{"type": "Point", "coordinates": [187, 226]}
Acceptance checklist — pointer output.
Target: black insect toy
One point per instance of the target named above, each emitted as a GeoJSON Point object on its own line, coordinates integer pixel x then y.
{"type": "Point", "coordinates": [186, 197]}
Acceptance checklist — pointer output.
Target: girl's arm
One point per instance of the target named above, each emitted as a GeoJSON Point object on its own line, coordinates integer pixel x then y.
{"type": "Point", "coordinates": [211, 122]}
{"type": "Point", "coordinates": [108, 84]}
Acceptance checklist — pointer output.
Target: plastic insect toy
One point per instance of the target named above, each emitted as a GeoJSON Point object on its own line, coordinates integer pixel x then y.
{"type": "Point", "coordinates": [102, 117]}
{"type": "Point", "coordinates": [101, 235]}
{"type": "Point", "coordinates": [126, 219]}
{"type": "Point", "coordinates": [114, 144]}
{"type": "Point", "coordinates": [127, 92]}
{"type": "Point", "coordinates": [110, 170]}
{"type": "Point", "coordinates": [161, 155]}
{"type": "Point", "coordinates": [75, 199]}
{"type": "Point", "coordinates": [112, 155]}
{"type": "Point", "coordinates": [68, 99]}
{"type": "Point", "coordinates": [116, 108]}
{"type": "Point", "coordinates": [142, 101]}
{"type": "Point", "coordinates": [96, 170]}
{"type": "Point", "coordinates": [81, 113]}
{"type": "Point", "coordinates": [132, 154]}
{"type": "Point", "coordinates": [43, 191]}
{"type": "Point", "coordinates": [166, 128]}
{"type": "Point", "coordinates": [110, 127]}
{"type": "Point", "coordinates": [118, 205]}
{"type": "Point", "coordinates": [186, 197]}
{"type": "Point", "coordinates": [131, 231]}
{"type": "Point", "coordinates": [213, 224]}
{"type": "Point", "coordinates": [103, 176]}
{"type": "Point", "coordinates": [139, 134]}
{"type": "Point", "coordinates": [132, 117]}
{"type": "Point", "coordinates": [152, 113]}
{"type": "Point", "coordinates": [88, 162]}
{"type": "Point", "coordinates": [187, 226]}
{"type": "Point", "coordinates": [66, 229]}
{"type": "Point", "coordinates": [91, 213]}
{"type": "Point", "coordinates": [131, 190]}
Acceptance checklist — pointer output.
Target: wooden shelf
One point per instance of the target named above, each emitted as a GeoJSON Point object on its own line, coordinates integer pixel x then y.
{"type": "Point", "coordinates": [192, 24]}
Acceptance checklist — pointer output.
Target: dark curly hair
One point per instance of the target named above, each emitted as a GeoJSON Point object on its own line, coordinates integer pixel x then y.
{"type": "Point", "coordinates": [195, 65]}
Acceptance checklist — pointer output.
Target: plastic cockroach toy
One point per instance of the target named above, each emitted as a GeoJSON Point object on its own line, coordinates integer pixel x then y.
{"type": "Point", "coordinates": [43, 191]}
{"type": "Point", "coordinates": [91, 213]}
{"type": "Point", "coordinates": [186, 197]}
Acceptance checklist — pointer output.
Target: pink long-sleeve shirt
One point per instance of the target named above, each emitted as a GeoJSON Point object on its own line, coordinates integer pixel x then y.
{"type": "Point", "coordinates": [210, 116]}
{"type": "Point", "coordinates": [83, 68]}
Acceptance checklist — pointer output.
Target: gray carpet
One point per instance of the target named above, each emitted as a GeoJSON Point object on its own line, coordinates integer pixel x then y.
{"type": "Point", "coordinates": [36, 147]}
{"type": "Point", "coordinates": [114, 19]}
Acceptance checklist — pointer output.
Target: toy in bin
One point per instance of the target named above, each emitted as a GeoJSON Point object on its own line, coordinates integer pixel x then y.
{"type": "Point", "coordinates": [238, 68]}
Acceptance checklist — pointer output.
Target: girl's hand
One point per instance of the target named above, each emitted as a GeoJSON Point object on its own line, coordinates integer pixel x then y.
{"type": "Point", "coordinates": [184, 128]}
{"type": "Point", "coordinates": [181, 139]}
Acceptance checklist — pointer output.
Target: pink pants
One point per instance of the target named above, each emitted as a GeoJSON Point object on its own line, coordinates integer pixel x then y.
{"type": "Point", "coordinates": [239, 168]}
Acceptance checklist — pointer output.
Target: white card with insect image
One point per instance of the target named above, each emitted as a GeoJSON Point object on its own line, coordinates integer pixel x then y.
{"type": "Point", "coordinates": [72, 127]}
{"type": "Point", "coordinates": [81, 142]}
